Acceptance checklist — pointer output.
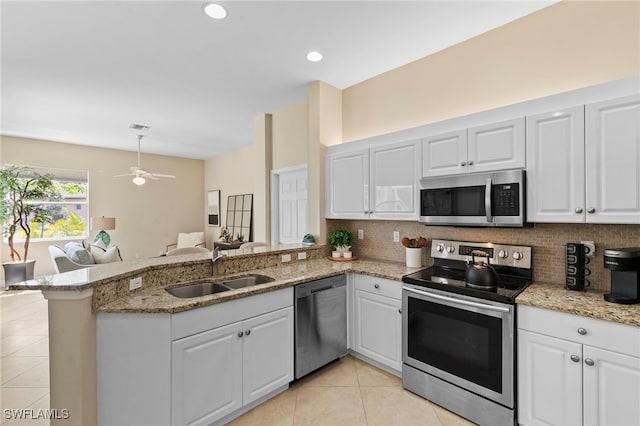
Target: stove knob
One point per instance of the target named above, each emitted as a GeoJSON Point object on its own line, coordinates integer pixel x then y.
{"type": "Point", "coordinates": [517, 255]}
{"type": "Point", "coordinates": [451, 249]}
{"type": "Point", "coordinates": [440, 247]}
{"type": "Point", "coordinates": [502, 254]}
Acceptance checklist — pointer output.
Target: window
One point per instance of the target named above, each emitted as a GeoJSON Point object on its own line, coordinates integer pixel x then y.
{"type": "Point", "coordinates": [68, 211]}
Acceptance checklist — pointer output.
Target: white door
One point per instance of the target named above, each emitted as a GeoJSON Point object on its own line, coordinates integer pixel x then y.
{"type": "Point", "coordinates": [268, 353]}
{"type": "Point", "coordinates": [378, 328]}
{"type": "Point", "coordinates": [347, 185]}
{"type": "Point", "coordinates": [497, 146]}
{"type": "Point", "coordinates": [444, 154]}
{"type": "Point", "coordinates": [549, 380]}
{"type": "Point", "coordinates": [292, 206]}
{"type": "Point", "coordinates": [206, 376]}
{"type": "Point", "coordinates": [394, 177]}
{"type": "Point", "coordinates": [555, 166]}
{"type": "Point", "coordinates": [613, 161]}
{"type": "Point", "coordinates": [611, 388]}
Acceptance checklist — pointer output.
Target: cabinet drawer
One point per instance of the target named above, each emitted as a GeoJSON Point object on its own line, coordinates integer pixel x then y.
{"type": "Point", "coordinates": [381, 286]}
{"type": "Point", "coordinates": [608, 335]}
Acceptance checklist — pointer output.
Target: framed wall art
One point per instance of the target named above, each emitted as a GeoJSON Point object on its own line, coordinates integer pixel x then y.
{"type": "Point", "coordinates": [213, 208]}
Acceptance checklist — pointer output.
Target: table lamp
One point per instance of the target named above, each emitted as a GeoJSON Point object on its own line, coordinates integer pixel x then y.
{"type": "Point", "coordinates": [103, 223]}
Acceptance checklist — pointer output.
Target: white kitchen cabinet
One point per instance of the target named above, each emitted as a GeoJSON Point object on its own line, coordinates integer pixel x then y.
{"type": "Point", "coordinates": [377, 320]}
{"type": "Point", "coordinates": [612, 150]}
{"type": "Point", "coordinates": [347, 185]}
{"type": "Point", "coordinates": [490, 147]}
{"type": "Point", "coordinates": [374, 183]}
{"type": "Point", "coordinates": [207, 375]}
{"type": "Point", "coordinates": [216, 372]}
{"type": "Point", "coordinates": [555, 166]}
{"type": "Point", "coordinates": [576, 370]}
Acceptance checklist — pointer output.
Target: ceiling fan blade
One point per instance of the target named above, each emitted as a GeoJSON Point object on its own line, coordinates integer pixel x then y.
{"type": "Point", "coordinates": [162, 175]}
{"type": "Point", "coordinates": [126, 174]}
{"type": "Point", "coordinates": [149, 176]}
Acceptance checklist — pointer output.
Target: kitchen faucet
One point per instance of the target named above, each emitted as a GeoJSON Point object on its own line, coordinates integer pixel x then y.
{"type": "Point", "coordinates": [215, 257]}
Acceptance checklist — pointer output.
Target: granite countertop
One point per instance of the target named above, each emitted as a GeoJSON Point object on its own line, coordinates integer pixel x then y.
{"type": "Point", "coordinates": [588, 303]}
{"type": "Point", "coordinates": [157, 300]}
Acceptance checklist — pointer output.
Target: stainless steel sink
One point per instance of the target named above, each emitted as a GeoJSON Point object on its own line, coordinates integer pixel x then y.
{"type": "Point", "coordinates": [246, 281]}
{"type": "Point", "coordinates": [211, 287]}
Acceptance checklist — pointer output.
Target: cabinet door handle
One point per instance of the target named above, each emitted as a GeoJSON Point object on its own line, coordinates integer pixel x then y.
{"type": "Point", "coordinates": [240, 334]}
{"type": "Point", "coordinates": [376, 286]}
{"type": "Point", "coordinates": [582, 331]}
{"type": "Point", "coordinates": [575, 358]}
{"type": "Point", "coordinates": [464, 163]}
{"type": "Point", "coordinates": [591, 210]}
{"type": "Point", "coordinates": [399, 311]}
{"type": "Point", "coordinates": [471, 162]}
{"type": "Point", "coordinates": [579, 210]}
{"type": "Point", "coordinates": [247, 332]}
{"type": "Point", "coordinates": [589, 362]}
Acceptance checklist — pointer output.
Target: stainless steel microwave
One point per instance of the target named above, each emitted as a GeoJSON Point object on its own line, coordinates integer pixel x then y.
{"type": "Point", "coordinates": [483, 199]}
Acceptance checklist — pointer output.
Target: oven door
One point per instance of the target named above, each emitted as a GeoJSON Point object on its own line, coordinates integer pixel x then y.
{"type": "Point", "coordinates": [465, 341]}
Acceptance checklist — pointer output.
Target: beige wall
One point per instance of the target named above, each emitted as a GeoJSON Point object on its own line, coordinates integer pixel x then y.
{"type": "Point", "coordinates": [147, 217]}
{"type": "Point", "coordinates": [566, 46]}
{"type": "Point", "coordinates": [290, 136]}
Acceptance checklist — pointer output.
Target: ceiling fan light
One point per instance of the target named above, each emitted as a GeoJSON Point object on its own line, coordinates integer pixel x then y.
{"type": "Point", "coordinates": [215, 11]}
{"type": "Point", "coordinates": [139, 180]}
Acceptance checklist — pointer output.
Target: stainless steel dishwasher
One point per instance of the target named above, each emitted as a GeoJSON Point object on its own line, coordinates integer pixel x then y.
{"type": "Point", "coordinates": [321, 323]}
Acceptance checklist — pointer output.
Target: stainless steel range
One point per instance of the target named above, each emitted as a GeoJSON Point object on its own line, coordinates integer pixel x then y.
{"type": "Point", "coordinates": [458, 341]}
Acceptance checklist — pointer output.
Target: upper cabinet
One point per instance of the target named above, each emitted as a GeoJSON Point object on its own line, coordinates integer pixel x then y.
{"type": "Point", "coordinates": [583, 163]}
{"type": "Point", "coordinates": [496, 146]}
{"type": "Point", "coordinates": [612, 151]}
{"type": "Point", "coordinates": [375, 183]}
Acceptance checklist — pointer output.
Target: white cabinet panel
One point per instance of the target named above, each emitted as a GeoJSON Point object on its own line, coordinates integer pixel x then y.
{"type": "Point", "coordinates": [555, 166]}
{"type": "Point", "coordinates": [612, 147]}
{"type": "Point", "coordinates": [267, 353]}
{"type": "Point", "coordinates": [444, 154]}
{"type": "Point", "coordinates": [347, 180]}
{"type": "Point", "coordinates": [611, 388]}
{"type": "Point", "coordinates": [205, 375]}
{"type": "Point", "coordinates": [394, 176]}
{"type": "Point", "coordinates": [549, 381]}
{"type": "Point", "coordinates": [496, 146]}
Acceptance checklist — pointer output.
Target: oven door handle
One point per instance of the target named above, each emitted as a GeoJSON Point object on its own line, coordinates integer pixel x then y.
{"type": "Point", "coordinates": [458, 301]}
{"type": "Point", "coordinates": [487, 200]}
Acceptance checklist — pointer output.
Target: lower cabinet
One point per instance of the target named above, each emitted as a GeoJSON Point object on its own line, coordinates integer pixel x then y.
{"type": "Point", "coordinates": [377, 320]}
{"type": "Point", "coordinates": [565, 377]}
{"type": "Point", "coordinates": [218, 371]}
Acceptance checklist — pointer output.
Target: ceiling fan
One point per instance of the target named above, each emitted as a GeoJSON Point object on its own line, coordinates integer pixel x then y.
{"type": "Point", "coordinates": [140, 175]}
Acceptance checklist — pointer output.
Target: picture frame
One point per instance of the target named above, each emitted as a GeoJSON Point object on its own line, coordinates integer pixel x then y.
{"type": "Point", "coordinates": [213, 208]}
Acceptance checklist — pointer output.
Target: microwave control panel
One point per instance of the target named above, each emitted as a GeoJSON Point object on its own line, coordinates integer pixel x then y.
{"type": "Point", "coordinates": [506, 199]}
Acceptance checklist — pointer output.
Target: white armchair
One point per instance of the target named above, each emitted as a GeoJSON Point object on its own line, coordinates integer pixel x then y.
{"type": "Point", "coordinates": [188, 239]}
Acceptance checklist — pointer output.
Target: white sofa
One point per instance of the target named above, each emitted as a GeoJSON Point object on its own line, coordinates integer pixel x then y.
{"type": "Point", "coordinates": [82, 255]}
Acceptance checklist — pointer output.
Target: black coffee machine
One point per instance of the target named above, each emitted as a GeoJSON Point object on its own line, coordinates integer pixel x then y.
{"type": "Point", "coordinates": [625, 274]}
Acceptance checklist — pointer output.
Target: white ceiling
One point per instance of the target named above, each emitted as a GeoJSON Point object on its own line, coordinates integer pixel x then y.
{"type": "Point", "coordinates": [82, 71]}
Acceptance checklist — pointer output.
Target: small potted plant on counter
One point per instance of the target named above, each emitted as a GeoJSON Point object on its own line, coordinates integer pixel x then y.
{"type": "Point", "coordinates": [341, 241]}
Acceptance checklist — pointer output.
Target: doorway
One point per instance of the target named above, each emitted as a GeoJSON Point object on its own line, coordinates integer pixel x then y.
{"type": "Point", "coordinates": [288, 205]}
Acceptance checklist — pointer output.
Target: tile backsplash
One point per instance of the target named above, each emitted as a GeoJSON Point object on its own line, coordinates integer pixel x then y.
{"type": "Point", "coordinates": [548, 242]}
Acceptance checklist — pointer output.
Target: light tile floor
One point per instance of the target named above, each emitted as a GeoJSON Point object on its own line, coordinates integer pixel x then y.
{"type": "Point", "coordinates": [24, 355]}
{"type": "Point", "coordinates": [346, 392]}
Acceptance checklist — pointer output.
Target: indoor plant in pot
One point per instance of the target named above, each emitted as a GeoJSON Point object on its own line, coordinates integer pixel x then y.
{"type": "Point", "coordinates": [21, 190]}
{"type": "Point", "coordinates": [340, 241]}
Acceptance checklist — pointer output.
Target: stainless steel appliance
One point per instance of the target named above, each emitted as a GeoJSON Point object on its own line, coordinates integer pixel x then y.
{"type": "Point", "coordinates": [321, 323]}
{"type": "Point", "coordinates": [483, 199]}
{"type": "Point", "coordinates": [458, 342]}
{"type": "Point", "coordinates": [624, 264]}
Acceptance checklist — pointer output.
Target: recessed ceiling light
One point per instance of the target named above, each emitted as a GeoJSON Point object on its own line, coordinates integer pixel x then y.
{"type": "Point", "coordinates": [215, 11]}
{"type": "Point", "coordinates": [314, 56]}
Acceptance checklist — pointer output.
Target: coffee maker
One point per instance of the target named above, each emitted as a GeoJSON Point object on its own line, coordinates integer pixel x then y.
{"type": "Point", "coordinates": [624, 264]}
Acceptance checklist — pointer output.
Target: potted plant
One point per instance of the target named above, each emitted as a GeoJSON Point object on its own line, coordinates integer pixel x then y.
{"type": "Point", "coordinates": [21, 190]}
{"type": "Point", "coordinates": [341, 241]}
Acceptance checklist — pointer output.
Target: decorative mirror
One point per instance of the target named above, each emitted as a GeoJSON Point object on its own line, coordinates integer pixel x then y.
{"type": "Point", "coordinates": [239, 216]}
{"type": "Point", "coordinates": [213, 208]}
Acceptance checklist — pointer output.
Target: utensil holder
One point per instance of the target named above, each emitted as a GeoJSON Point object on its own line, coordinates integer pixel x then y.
{"type": "Point", "coordinates": [413, 257]}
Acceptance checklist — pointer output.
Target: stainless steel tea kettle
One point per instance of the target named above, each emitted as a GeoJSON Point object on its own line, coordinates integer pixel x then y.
{"type": "Point", "coordinates": [480, 274]}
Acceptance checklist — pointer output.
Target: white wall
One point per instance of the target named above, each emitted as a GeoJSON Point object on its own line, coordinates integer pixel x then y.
{"type": "Point", "coordinates": [147, 217]}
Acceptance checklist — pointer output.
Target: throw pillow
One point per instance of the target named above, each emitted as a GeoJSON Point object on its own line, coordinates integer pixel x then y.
{"type": "Point", "coordinates": [78, 254]}
{"type": "Point", "coordinates": [112, 254]}
{"type": "Point", "coordinates": [190, 239]}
